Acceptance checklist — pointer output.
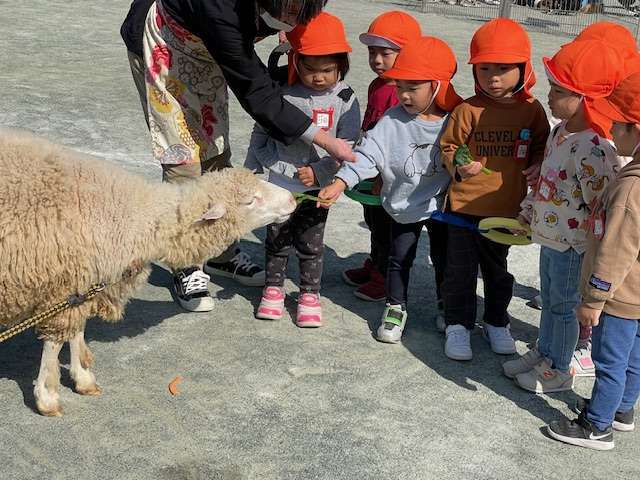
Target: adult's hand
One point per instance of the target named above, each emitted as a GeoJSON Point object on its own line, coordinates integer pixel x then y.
{"type": "Point", "coordinates": [338, 148]}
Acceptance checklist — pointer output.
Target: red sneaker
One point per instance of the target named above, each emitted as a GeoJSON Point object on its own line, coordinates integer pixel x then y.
{"type": "Point", "coordinates": [374, 290]}
{"type": "Point", "coordinates": [358, 276]}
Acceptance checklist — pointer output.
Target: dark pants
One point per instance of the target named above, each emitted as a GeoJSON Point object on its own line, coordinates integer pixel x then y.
{"type": "Point", "coordinates": [466, 250]}
{"type": "Point", "coordinates": [404, 243]}
{"type": "Point", "coordinates": [379, 223]}
{"type": "Point", "coordinates": [304, 232]}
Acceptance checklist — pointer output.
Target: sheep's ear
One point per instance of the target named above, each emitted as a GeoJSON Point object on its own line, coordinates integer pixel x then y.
{"type": "Point", "coordinates": [216, 211]}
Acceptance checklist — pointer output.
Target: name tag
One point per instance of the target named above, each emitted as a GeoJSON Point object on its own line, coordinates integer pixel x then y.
{"type": "Point", "coordinates": [546, 189]}
{"type": "Point", "coordinates": [323, 118]}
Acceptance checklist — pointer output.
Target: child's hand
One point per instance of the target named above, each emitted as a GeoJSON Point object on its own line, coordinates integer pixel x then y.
{"type": "Point", "coordinates": [306, 176]}
{"type": "Point", "coordinates": [532, 173]}
{"type": "Point", "coordinates": [525, 227]}
{"type": "Point", "coordinates": [331, 193]}
{"type": "Point", "coordinates": [471, 169]}
{"type": "Point", "coordinates": [588, 317]}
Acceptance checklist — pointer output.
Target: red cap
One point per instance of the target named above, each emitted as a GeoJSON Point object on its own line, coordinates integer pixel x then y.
{"type": "Point", "coordinates": [324, 35]}
{"type": "Point", "coordinates": [504, 41]}
{"type": "Point", "coordinates": [429, 58]}
{"type": "Point", "coordinates": [590, 68]}
{"type": "Point", "coordinates": [392, 30]}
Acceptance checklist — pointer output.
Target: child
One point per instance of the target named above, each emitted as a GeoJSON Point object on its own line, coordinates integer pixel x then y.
{"type": "Point", "coordinates": [387, 34]}
{"type": "Point", "coordinates": [505, 129]}
{"type": "Point", "coordinates": [317, 67]}
{"type": "Point", "coordinates": [609, 287]}
{"type": "Point", "coordinates": [622, 40]}
{"type": "Point", "coordinates": [403, 148]}
{"type": "Point", "coordinates": [579, 162]}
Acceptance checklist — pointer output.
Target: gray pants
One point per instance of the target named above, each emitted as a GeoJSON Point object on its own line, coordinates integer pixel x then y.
{"type": "Point", "coordinates": [180, 173]}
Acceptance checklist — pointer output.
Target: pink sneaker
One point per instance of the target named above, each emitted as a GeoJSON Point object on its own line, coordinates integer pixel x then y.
{"type": "Point", "coordinates": [309, 310]}
{"type": "Point", "coordinates": [272, 304]}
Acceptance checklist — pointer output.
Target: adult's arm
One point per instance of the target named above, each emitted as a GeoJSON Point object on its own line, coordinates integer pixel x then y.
{"type": "Point", "coordinates": [228, 29]}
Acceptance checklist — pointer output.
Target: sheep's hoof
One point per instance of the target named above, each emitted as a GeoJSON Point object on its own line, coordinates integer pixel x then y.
{"type": "Point", "coordinates": [50, 412]}
{"type": "Point", "coordinates": [91, 390]}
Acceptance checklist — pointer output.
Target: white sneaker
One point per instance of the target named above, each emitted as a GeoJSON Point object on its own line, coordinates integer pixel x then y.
{"type": "Point", "coordinates": [581, 362]}
{"type": "Point", "coordinates": [500, 339]}
{"type": "Point", "coordinates": [394, 318]}
{"type": "Point", "coordinates": [191, 287]}
{"type": "Point", "coordinates": [457, 345]}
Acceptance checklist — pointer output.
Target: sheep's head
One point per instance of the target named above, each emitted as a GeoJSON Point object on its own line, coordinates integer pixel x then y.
{"type": "Point", "coordinates": [252, 202]}
{"type": "Point", "coordinates": [219, 208]}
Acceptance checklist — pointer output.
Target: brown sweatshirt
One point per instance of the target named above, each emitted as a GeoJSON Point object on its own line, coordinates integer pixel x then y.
{"type": "Point", "coordinates": [611, 266]}
{"type": "Point", "coordinates": [491, 129]}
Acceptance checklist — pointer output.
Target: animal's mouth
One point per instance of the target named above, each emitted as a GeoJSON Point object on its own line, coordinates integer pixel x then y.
{"type": "Point", "coordinates": [282, 218]}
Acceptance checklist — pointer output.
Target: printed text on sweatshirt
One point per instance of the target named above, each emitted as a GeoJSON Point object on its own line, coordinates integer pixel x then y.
{"type": "Point", "coordinates": [491, 130]}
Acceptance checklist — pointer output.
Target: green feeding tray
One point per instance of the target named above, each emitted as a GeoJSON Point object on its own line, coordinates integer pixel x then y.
{"type": "Point", "coordinates": [361, 193]}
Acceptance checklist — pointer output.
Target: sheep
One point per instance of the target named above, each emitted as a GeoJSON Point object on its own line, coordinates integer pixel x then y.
{"type": "Point", "coordinates": [69, 221]}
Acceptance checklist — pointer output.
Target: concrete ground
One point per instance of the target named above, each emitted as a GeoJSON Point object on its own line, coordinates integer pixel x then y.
{"type": "Point", "coordinates": [261, 400]}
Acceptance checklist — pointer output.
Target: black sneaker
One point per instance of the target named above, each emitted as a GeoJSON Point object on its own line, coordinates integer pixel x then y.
{"type": "Point", "coordinates": [622, 422]}
{"type": "Point", "coordinates": [191, 289]}
{"type": "Point", "coordinates": [582, 433]}
{"type": "Point", "coordinates": [240, 268]}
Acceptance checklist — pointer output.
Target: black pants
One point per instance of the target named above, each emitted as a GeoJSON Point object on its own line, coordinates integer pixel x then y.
{"type": "Point", "coordinates": [404, 243]}
{"type": "Point", "coordinates": [466, 250]}
{"type": "Point", "coordinates": [379, 223]}
{"type": "Point", "coordinates": [304, 232]}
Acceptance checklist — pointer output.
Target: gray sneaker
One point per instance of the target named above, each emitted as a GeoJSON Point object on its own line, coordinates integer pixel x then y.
{"type": "Point", "coordinates": [544, 379]}
{"type": "Point", "coordinates": [523, 364]}
{"type": "Point", "coordinates": [392, 325]}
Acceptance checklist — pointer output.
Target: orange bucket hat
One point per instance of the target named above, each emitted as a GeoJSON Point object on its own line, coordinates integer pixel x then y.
{"type": "Point", "coordinates": [392, 30]}
{"type": "Point", "coordinates": [429, 58]}
{"type": "Point", "coordinates": [324, 35]}
{"type": "Point", "coordinates": [616, 36]}
{"type": "Point", "coordinates": [590, 68]}
{"type": "Point", "coordinates": [504, 41]}
{"type": "Point", "coordinates": [623, 105]}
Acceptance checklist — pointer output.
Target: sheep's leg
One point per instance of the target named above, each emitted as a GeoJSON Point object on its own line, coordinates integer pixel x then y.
{"type": "Point", "coordinates": [81, 360]}
{"type": "Point", "coordinates": [48, 381]}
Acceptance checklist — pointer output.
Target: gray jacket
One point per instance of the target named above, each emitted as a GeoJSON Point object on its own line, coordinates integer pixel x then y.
{"type": "Point", "coordinates": [405, 151]}
{"type": "Point", "coordinates": [335, 110]}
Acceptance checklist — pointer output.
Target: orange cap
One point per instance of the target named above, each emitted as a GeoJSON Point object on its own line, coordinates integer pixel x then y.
{"type": "Point", "coordinates": [429, 58]}
{"type": "Point", "coordinates": [392, 30]}
{"type": "Point", "coordinates": [324, 35]}
{"type": "Point", "coordinates": [623, 105]}
{"type": "Point", "coordinates": [614, 34]}
{"type": "Point", "coordinates": [590, 68]}
{"type": "Point", "coordinates": [618, 37]}
{"type": "Point", "coordinates": [504, 41]}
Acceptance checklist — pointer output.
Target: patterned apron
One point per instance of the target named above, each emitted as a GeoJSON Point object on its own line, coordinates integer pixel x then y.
{"type": "Point", "coordinates": [187, 94]}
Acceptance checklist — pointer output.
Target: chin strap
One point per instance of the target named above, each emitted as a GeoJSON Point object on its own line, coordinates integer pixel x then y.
{"type": "Point", "coordinates": [433, 98]}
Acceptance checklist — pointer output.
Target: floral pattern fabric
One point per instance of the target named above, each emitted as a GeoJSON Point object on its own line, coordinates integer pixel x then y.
{"type": "Point", "coordinates": [186, 92]}
{"type": "Point", "coordinates": [576, 169]}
